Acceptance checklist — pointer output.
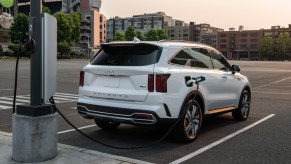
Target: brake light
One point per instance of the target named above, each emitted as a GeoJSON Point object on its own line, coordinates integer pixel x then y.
{"type": "Point", "coordinates": [161, 82]}
{"type": "Point", "coordinates": [151, 82]}
{"type": "Point", "coordinates": [81, 80]}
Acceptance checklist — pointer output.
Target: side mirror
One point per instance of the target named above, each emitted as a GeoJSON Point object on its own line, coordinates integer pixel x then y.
{"type": "Point", "coordinates": [235, 68]}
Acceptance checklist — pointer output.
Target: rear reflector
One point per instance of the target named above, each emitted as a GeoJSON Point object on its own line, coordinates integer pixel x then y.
{"type": "Point", "coordinates": [143, 116]}
{"type": "Point", "coordinates": [161, 82]}
{"type": "Point", "coordinates": [81, 80]}
{"type": "Point", "coordinates": [151, 82]}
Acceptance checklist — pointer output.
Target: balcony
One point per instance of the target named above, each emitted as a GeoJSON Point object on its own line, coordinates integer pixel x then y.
{"type": "Point", "coordinates": [85, 34]}
{"type": "Point", "coordinates": [83, 41]}
{"type": "Point", "coordinates": [85, 27]}
{"type": "Point", "coordinates": [85, 21]}
{"type": "Point", "coordinates": [232, 35]}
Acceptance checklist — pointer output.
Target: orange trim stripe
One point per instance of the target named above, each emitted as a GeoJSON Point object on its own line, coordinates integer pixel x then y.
{"type": "Point", "coordinates": [220, 110]}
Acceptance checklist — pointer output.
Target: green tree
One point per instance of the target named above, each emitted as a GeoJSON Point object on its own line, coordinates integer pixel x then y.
{"type": "Point", "coordinates": [139, 35]}
{"type": "Point", "coordinates": [68, 27]}
{"type": "Point", "coordinates": [46, 10]}
{"type": "Point", "coordinates": [119, 36]}
{"type": "Point", "coordinates": [75, 21]}
{"type": "Point", "coordinates": [151, 35]}
{"type": "Point", "coordinates": [130, 33]}
{"type": "Point", "coordinates": [266, 47]}
{"type": "Point", "coordinates": [284, 43]}
{"type": "Point", "coordinates": [19, 27]}
{"type": "Point", "coordinates": [65, 28]}
{"type": "Point", "coordinates": [162, 34]}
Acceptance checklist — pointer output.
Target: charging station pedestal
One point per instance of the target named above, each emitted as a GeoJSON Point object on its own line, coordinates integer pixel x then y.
{"type": "Point", "coordinates": [35, 127]}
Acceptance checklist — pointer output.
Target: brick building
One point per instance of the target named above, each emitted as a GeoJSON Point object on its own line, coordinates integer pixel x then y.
{"type": "Point", "coordinates": [242, 44]}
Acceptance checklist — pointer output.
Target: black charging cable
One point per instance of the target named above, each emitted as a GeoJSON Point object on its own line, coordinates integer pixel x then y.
{"type": "Point", "coordinates": [194, 80]}
{"type": "Point", "coordinates": [16, 79]}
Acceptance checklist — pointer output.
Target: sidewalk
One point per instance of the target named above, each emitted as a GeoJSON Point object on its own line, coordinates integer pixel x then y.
{"type": "Point", "coordinates": [66, 155]}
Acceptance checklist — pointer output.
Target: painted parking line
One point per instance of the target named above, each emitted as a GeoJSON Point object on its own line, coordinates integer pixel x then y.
{"type": "Point", "coordinates": [197, 152]}
{"type": "Point", "coordinates": [277, 93]}
{"type": "Point", "coordinates": [71, 130]}
{"type": "Point", "coordinates": [7, 101]}
{"type": "Point", "coordinates": [8, 89]}
{"type": "Point", "coordinates": [273, 83]}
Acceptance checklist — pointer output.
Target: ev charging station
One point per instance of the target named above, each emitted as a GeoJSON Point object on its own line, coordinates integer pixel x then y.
{"type": "Point", "coordinates": [35, 125]}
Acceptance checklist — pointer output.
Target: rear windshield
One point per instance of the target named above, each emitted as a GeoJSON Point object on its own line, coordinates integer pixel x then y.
{"type": "Point", "coordinates": [127, 55]}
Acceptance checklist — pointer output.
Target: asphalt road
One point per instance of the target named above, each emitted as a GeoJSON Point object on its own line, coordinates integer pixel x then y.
{"type": "Point", "coordinates": [222, 140]}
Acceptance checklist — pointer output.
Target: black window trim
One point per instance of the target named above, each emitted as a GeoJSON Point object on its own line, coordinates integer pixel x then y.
{"type": "Point", "coordinates": [170, 63]}
{"type": "Point", "coordinates": [229, 70]}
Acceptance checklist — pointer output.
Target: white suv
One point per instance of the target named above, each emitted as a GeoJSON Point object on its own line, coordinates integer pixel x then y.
{"type": "Point", "coordinates": [149, 83]}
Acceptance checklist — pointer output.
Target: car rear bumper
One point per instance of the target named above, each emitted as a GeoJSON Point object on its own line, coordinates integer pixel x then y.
{"type": "Point", "coordinates": [122, 115]}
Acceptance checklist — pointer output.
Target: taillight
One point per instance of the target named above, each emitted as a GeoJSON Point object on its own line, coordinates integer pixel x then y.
{"type": "Point", "coordinates": [81, 81]}
{"type": "Point", "coordinates": [151, 82]}
{"type": "Point", "coordinates": [161, 82]}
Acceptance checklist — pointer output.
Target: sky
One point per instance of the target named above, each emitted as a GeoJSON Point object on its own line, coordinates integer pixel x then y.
{"type": "Point", "coordinates": [252, 14]}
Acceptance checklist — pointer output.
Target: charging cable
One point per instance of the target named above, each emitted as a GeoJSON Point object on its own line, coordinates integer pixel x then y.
{"type": "Point", "coordinates": [16, 79]}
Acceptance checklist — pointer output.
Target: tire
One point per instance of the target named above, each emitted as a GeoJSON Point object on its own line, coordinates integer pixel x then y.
{"type": "Point", "coordinates": [107, 125]}
{"type": "Point", "coordinates": [243, 110]}
{"type": "Point", "coordinates": [189, 126]}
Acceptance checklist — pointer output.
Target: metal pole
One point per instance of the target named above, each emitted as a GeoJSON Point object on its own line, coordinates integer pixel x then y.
{"type": "Point", "coordinates": [36, 56]}
{"type": "Point", "coordinates": [15, 7]}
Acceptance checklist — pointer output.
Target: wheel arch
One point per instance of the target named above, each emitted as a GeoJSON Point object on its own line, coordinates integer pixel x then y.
{"type": "Point", "coordinates": [248, 88]}
{"type": "Point", "coordinates": [199, 98]}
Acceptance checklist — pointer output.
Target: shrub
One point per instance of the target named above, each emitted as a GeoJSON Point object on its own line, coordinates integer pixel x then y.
{"type": "Point", "coordinates": [74, 54]}
{"type": "Point", "coordinates": [7, 53]}
{"type": "Point", "coordinates": [64, 48]}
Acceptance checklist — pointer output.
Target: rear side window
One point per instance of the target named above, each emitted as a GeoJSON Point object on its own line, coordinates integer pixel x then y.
{"type": "Point", "coordinates": [194, 57]}
{"type": "Point", "coordinates": [127, 55]}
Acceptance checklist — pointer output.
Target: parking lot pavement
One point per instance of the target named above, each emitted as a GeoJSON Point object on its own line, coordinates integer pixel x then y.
{"type": "Point", "coordinates": [266, 142]}
{"type": "Point", "coordinates": [66, 154]}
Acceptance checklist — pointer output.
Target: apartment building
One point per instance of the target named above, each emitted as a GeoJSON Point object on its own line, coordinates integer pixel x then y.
{"type": "Point", "coordinates": [90, 23]}
{"type": "Point", "coordinates": [242, 44]}
{"type": "Point", "coordinates": [180, 31]}
{"type": "Point", "coordinates": [143, 23]}
{"type": "Point", "coordinates": [198, 30]}
{"type": "Point", "coordinates": [208, 37]}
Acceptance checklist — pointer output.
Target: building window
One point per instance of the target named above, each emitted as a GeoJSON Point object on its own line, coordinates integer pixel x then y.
{"type": "Point", "coordinates": [223, 46]}
{"type": "Point", "coordinates": [253, 46]}
{"type": "Point", "coordinates": [243, 46]}
{"type": "Point", "coordinates": [223, 35]}
{"type": "Point", "coordinates": [243, 34]}
{"type": "Point", "coordinates": [243, 40]}
{"type": "Point", "coordinates": [223, 41]}
{"type": "Point", "coordinates": [254, 40]}
{"type": "Point", "coordinates": [254, 34]}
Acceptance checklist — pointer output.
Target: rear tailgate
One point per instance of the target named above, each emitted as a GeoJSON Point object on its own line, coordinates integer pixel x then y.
{"type": "Point", "coordinates": [121, 72]}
